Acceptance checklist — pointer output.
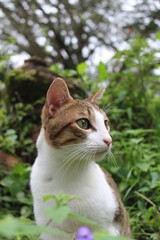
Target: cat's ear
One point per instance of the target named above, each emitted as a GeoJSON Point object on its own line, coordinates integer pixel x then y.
{"type": "Point", "coordinates": [95, 98]}
{"type": "Point", "coordinates": [57, 95]}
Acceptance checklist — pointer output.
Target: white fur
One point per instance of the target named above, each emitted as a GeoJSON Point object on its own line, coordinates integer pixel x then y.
{"type": "Point", "coordinates": [54, 172]}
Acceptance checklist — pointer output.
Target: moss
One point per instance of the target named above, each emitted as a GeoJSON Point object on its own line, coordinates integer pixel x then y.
{"type": "Point", "coordinates": [21, 75]}
{"type": "Point", "coordinates": [30, 83]}
{"type": "Point", "coordinates": [25, 86]}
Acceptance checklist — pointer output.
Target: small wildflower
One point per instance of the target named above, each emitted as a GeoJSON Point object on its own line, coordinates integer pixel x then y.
{"type": "Point", "coordinates": [84, 234]}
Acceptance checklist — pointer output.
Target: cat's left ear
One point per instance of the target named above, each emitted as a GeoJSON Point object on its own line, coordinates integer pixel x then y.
{"type": "Point", "coordinates": [57, 95]}
{"type": "Point", "coordinates": [95, 98]}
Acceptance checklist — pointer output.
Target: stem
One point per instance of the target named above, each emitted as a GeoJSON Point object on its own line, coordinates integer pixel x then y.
{"type": "Point", "coordinates": [142, 81]}
{"type": "Point", "coordinates": [148, 200]}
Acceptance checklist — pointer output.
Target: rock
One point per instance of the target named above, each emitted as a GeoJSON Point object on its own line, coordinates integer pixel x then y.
{"type": "Point", "coordinates": [30, 82]}
{"type": "Point", "coordinates": [8, 160]}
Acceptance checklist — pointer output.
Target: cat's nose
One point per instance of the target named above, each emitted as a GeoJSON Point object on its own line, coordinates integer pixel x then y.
{"type": "Point", "coordinates": [107, 141]}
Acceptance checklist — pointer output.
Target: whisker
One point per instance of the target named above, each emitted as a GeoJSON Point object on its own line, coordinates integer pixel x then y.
{"type": "Point", "coordinates": [106, 105]}
{"type": "Point", "coordinates": [113, 159]}
{"type": "Point", "coordinates": [114, 148]}
{"type": "Point", "coordinates": [70, 159]}
{"type": "Point", "coordinates": [88, 159]}
{"type": "Point", "coordinates": [79, 154]}
{"type": "Point", "coordinates": [79, 161]}
{"type": "Point", "coordinates": [77, 164]}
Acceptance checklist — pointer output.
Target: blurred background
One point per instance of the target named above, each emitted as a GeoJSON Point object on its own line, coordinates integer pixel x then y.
{"type": "Point", "coordinates": [70, 32]}
{"type": "Point", "coordinates": [90, 44]}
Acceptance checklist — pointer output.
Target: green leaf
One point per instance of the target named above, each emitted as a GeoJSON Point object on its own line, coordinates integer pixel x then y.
{"type": "Point", "coordinates": [84, 220]}
{"type": "Point", "coordinates": [10, 226]}
{"type": "Point", "coordinates": [47, 197]}
{"type": "Point", "coordinates": [55, 68]}
{"type": "Point", "coordinates": [58, 214]}
{"type": "Point", "coordinates": [69, 73]}
{"type": "Point", "coordinates": [129, 112]}
{"type": "Point", "coordinates": [143, 166]}
{"type": "Point", "coordinates": [155, 179]}
{"type": "Point", "coordinates": [10, 132]}
{"type": "Point", "coordinates": [7, 181]}
{"type": "Point", "coordinates": [81, 67]}
{"type": "Point", "coordinates": [103, 235]}
{"type": "Point", "coordinates": [15, 227]}
{"type": "Point", "coordinates": [60, 199]}
{"type": "Point", "coordinates": [102, 71]}
{"type": "Point", "coordinates": [136, 140]}
{"type": "Point", "coordinates": [19, 169]}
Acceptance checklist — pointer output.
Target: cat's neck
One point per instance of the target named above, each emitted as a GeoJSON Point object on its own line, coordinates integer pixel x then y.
{"type": "Point", "coordinates": [56, 162]}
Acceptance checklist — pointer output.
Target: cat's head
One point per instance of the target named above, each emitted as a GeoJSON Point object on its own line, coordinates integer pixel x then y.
{"type": "Point", "coordinates": [78, 126]}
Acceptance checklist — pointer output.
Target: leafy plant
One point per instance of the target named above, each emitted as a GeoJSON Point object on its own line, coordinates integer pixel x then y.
{"type": "Point", "coordinates": [15, 196]}
{"type": "Point", "coordinates": [135, 127]}
{"type": "Point", "coordinates": [25, 228]}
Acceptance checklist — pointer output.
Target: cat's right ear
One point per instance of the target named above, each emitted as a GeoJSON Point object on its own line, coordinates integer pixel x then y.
{"type": "Point", "coordinates": [57, 95]}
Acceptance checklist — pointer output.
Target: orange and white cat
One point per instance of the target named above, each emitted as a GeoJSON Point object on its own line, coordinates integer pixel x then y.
{"type": "Point", "coordinates": [74, 136]}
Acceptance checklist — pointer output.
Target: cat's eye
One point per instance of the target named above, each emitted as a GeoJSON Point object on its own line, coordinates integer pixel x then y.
{"type": "Point", "coordinates": [83, 123]}
{"type": "Point", "coordinates": [106, 123]}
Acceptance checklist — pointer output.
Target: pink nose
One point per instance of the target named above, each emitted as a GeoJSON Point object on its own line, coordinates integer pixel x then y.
{"type": "Point", "coordinates": [107, 141]}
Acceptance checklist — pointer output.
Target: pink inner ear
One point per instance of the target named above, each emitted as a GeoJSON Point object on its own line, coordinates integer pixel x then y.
{"type": "Point", "coordinates": [53, 98]}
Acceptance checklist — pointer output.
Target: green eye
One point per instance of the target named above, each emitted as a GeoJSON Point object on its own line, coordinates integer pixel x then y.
{"type": "Point", "coordinates": [83, 123]}
{"type": "Point", "coordinates": [106, 123]}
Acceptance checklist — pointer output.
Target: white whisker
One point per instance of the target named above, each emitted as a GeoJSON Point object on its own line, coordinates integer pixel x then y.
{"type": "Point", "coordinates": [113, 158]}
{"type": "Point", "coordinates": [69, 160]}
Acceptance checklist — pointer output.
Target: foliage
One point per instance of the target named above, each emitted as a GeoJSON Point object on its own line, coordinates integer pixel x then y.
{"type": "Point", "coordinates": [132, 82]}
{"type": "Point", "coordinates": [24, 228]}
{"type": "Point", "coordinates": [135, 126]}
{"type": "Point", "coordinates": [16, 130]}
{"type": "Point", "coordinates": [14, 195]}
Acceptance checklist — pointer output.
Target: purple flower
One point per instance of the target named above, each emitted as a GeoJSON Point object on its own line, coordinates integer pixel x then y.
{"type": "Point", "coordinates": [84, 234]}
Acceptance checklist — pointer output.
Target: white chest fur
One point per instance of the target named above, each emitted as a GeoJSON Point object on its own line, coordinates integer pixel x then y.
{"type": "Point", "coordinates": [98, 201]}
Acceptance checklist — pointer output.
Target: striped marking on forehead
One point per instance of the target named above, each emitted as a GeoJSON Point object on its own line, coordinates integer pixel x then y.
{"type": "Point", "coordinates": [93, 109]}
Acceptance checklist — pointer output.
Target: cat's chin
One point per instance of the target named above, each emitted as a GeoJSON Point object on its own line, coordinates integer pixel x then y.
{"type": "Point", "coordinates": [99, 156]}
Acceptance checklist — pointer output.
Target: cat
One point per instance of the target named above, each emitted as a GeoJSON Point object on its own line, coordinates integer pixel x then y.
{"type": "Point", "coordinates": [74, 136]}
